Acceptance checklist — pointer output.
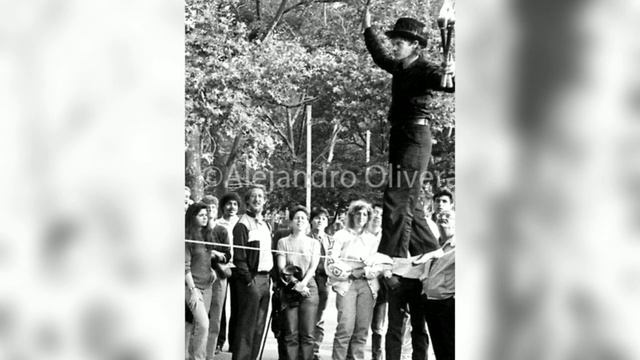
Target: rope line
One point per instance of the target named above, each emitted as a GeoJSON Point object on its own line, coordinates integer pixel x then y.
{"type": "Point", "coordinates": [276, 251]}
{"type": "Point", "coordinates": [253, 248]}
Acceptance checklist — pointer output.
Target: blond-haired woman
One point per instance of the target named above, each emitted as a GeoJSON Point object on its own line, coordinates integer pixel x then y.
{"type": "Point", "coordinates": [354, 281]}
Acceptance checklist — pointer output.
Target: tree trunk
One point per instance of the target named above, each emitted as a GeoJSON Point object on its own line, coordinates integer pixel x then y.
{"type": "Point", "coordinates": [332, 144]}
{"type": "Point", "coordinates": [276, 20]}
{"type": "Point", "coordinates": [194, 178]}
{"type": "Point", "coordinates": [227, 168]}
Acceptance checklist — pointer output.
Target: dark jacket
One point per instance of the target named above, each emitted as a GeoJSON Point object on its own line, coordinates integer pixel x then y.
{"type": "Point", "coordinates": [246, 261]}
{"type": "Point", "coordinates": [219, 235]}
{"type": "Point", "coordinates": [412, 87]}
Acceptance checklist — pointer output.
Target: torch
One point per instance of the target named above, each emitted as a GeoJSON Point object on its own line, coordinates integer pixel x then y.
{"type": "Point", "coordinates": [446, 22]}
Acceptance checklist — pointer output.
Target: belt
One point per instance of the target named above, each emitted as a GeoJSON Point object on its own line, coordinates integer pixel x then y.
{"type": "Point", "coordinates": [262, 273]}
{"type": "Point", "coordinates": [420, 121]}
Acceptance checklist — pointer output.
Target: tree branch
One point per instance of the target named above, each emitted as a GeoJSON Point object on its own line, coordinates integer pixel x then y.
{"type": "Point", "coordinates": [292, 7]}
{"type": "Point", "coordinates": [234, 150]}
{"type": "Point", "coordinates": [258, 10]}
{"type": "Point", "coordinates": [214, 144]}
{"type": "Point", "coordinates": [309, 2]}
{"type": "Point", "coordinates": [295, 105]}
{"type": "Point", "coordinates": [301, 130]}
{"type": "Point", "coordinates": [275, 21]}
{"type": "Point", "coordinates": [333, 140]}
{"type": "Point", "coordinates": [282, 134]}
{"type": "Point", "coordinates": [290, 132]}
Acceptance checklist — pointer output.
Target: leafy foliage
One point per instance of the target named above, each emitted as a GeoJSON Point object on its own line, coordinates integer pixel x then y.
{"type": "Point", "coordinates": [248, 82]}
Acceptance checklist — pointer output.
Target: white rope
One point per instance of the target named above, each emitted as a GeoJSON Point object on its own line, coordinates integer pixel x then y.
{"type": "Point", "coordinates": [275, 251]}
{"type": "Point", "coordinates": [254, 248]}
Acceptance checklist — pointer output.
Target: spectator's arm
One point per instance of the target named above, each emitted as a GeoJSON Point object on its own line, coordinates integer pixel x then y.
{"type": "Point", "coordinates": [224, 238]}
{"type": "Point", "coordinates": [241, 238]}
{"type": "Point", "coordinates": [315, 258]}
{"type": "Point", "coordinates": [336, 268]}
{"type": "Point", "coordinates": [281, 259]}
{"type": "Point", "coordinates": [188, 278]}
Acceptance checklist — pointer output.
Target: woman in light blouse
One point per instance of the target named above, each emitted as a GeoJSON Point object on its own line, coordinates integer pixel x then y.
{"type": "Point", "coordinates": [354, 281]}
{"type": "Point", "coordinates": [300, 299]}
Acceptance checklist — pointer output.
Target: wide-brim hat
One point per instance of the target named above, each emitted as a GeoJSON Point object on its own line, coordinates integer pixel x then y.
{"type": "Point", "coordinates": [408, 28]}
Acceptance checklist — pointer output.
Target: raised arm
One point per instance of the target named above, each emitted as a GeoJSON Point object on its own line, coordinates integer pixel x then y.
{"type": "Point", "coordinates": [374, 45]}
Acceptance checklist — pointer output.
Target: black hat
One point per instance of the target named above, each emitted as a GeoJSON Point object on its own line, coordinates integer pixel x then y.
{"type": "Point", "coordinates": [408, 28]}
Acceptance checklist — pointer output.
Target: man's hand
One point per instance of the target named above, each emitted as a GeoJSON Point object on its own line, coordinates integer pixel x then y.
{"type": "Point", "coordinates": [449, 72]}
{"type": "Point", "coordinates": [366, 18]}
{"type": "Point", "coordinates": [427, 256]}
{"type": "Point", "coordinates": [302, 289]}
{"type": "Point", "coordinates": [218, 255]}
{"type": "Point", "coordinates": [449, 67]}
{"type": "Point", "coordinates": [392, 283]}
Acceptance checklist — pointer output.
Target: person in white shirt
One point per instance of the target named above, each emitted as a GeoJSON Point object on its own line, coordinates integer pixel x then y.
{"type": "Point", "coordinates": [299, 297]}
{"type": "Point", "coordinates": [439, 289]}
{"type": "Point", "coordinates": [355, 280]}
{"type": "Point", "coordinates": [250, 280]}
{"type": "Point", "coordinates": [228, 207]}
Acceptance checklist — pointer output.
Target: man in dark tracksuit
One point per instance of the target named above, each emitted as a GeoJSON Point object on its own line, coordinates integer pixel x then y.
{"type": "Point", "coordinates": [251, 281]}
{"type": "Point", "coordinates": [405, 233]}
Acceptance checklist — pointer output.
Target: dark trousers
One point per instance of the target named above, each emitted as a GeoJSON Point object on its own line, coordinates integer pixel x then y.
{"type": "Point", "coordinates": [406, 292]}
{"type": "Point", "coordinates": [278, 323]}
{"type": "Point", "coordinates": [404, 227]}
{"type": "Point", "coordinates": [222, 337]}
{"type": "Point", "coordinates": [377, 326]}
{"type": "Point", "coordinates": [252, 308]}
{"type": "Point", "coordinates": [440, 317]}
{"type": "Point", "coordinates": [323, 295]}
{"type": "Point", "coordinates": [233, 317]}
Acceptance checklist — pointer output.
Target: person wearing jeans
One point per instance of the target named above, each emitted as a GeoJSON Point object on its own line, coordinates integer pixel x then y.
{"type": "Point", "coordinates": [319, 219]}
{"type": "Point", "coordinates": [354, 279]}
{"type": "Point", "coordinates": [216, 234]}
{"type": "Point", "coordinates": [198, 279]}
{"type": "Point", "coordinates": [299, 296]}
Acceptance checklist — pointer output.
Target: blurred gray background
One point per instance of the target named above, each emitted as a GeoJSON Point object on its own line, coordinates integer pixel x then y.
{"type": "Point", "coordinates": [548, 179]}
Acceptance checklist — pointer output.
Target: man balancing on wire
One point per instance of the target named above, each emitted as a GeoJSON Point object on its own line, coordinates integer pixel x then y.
{"type": "Point", "coordinates": [405, 233]}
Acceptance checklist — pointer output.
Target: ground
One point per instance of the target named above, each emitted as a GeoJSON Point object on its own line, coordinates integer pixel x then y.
{"type": "Point", "coordinates": [330, 320]}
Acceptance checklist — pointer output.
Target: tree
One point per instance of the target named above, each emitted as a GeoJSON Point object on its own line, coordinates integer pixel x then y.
{"type": "Point", "coordinates": [252, 66]}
